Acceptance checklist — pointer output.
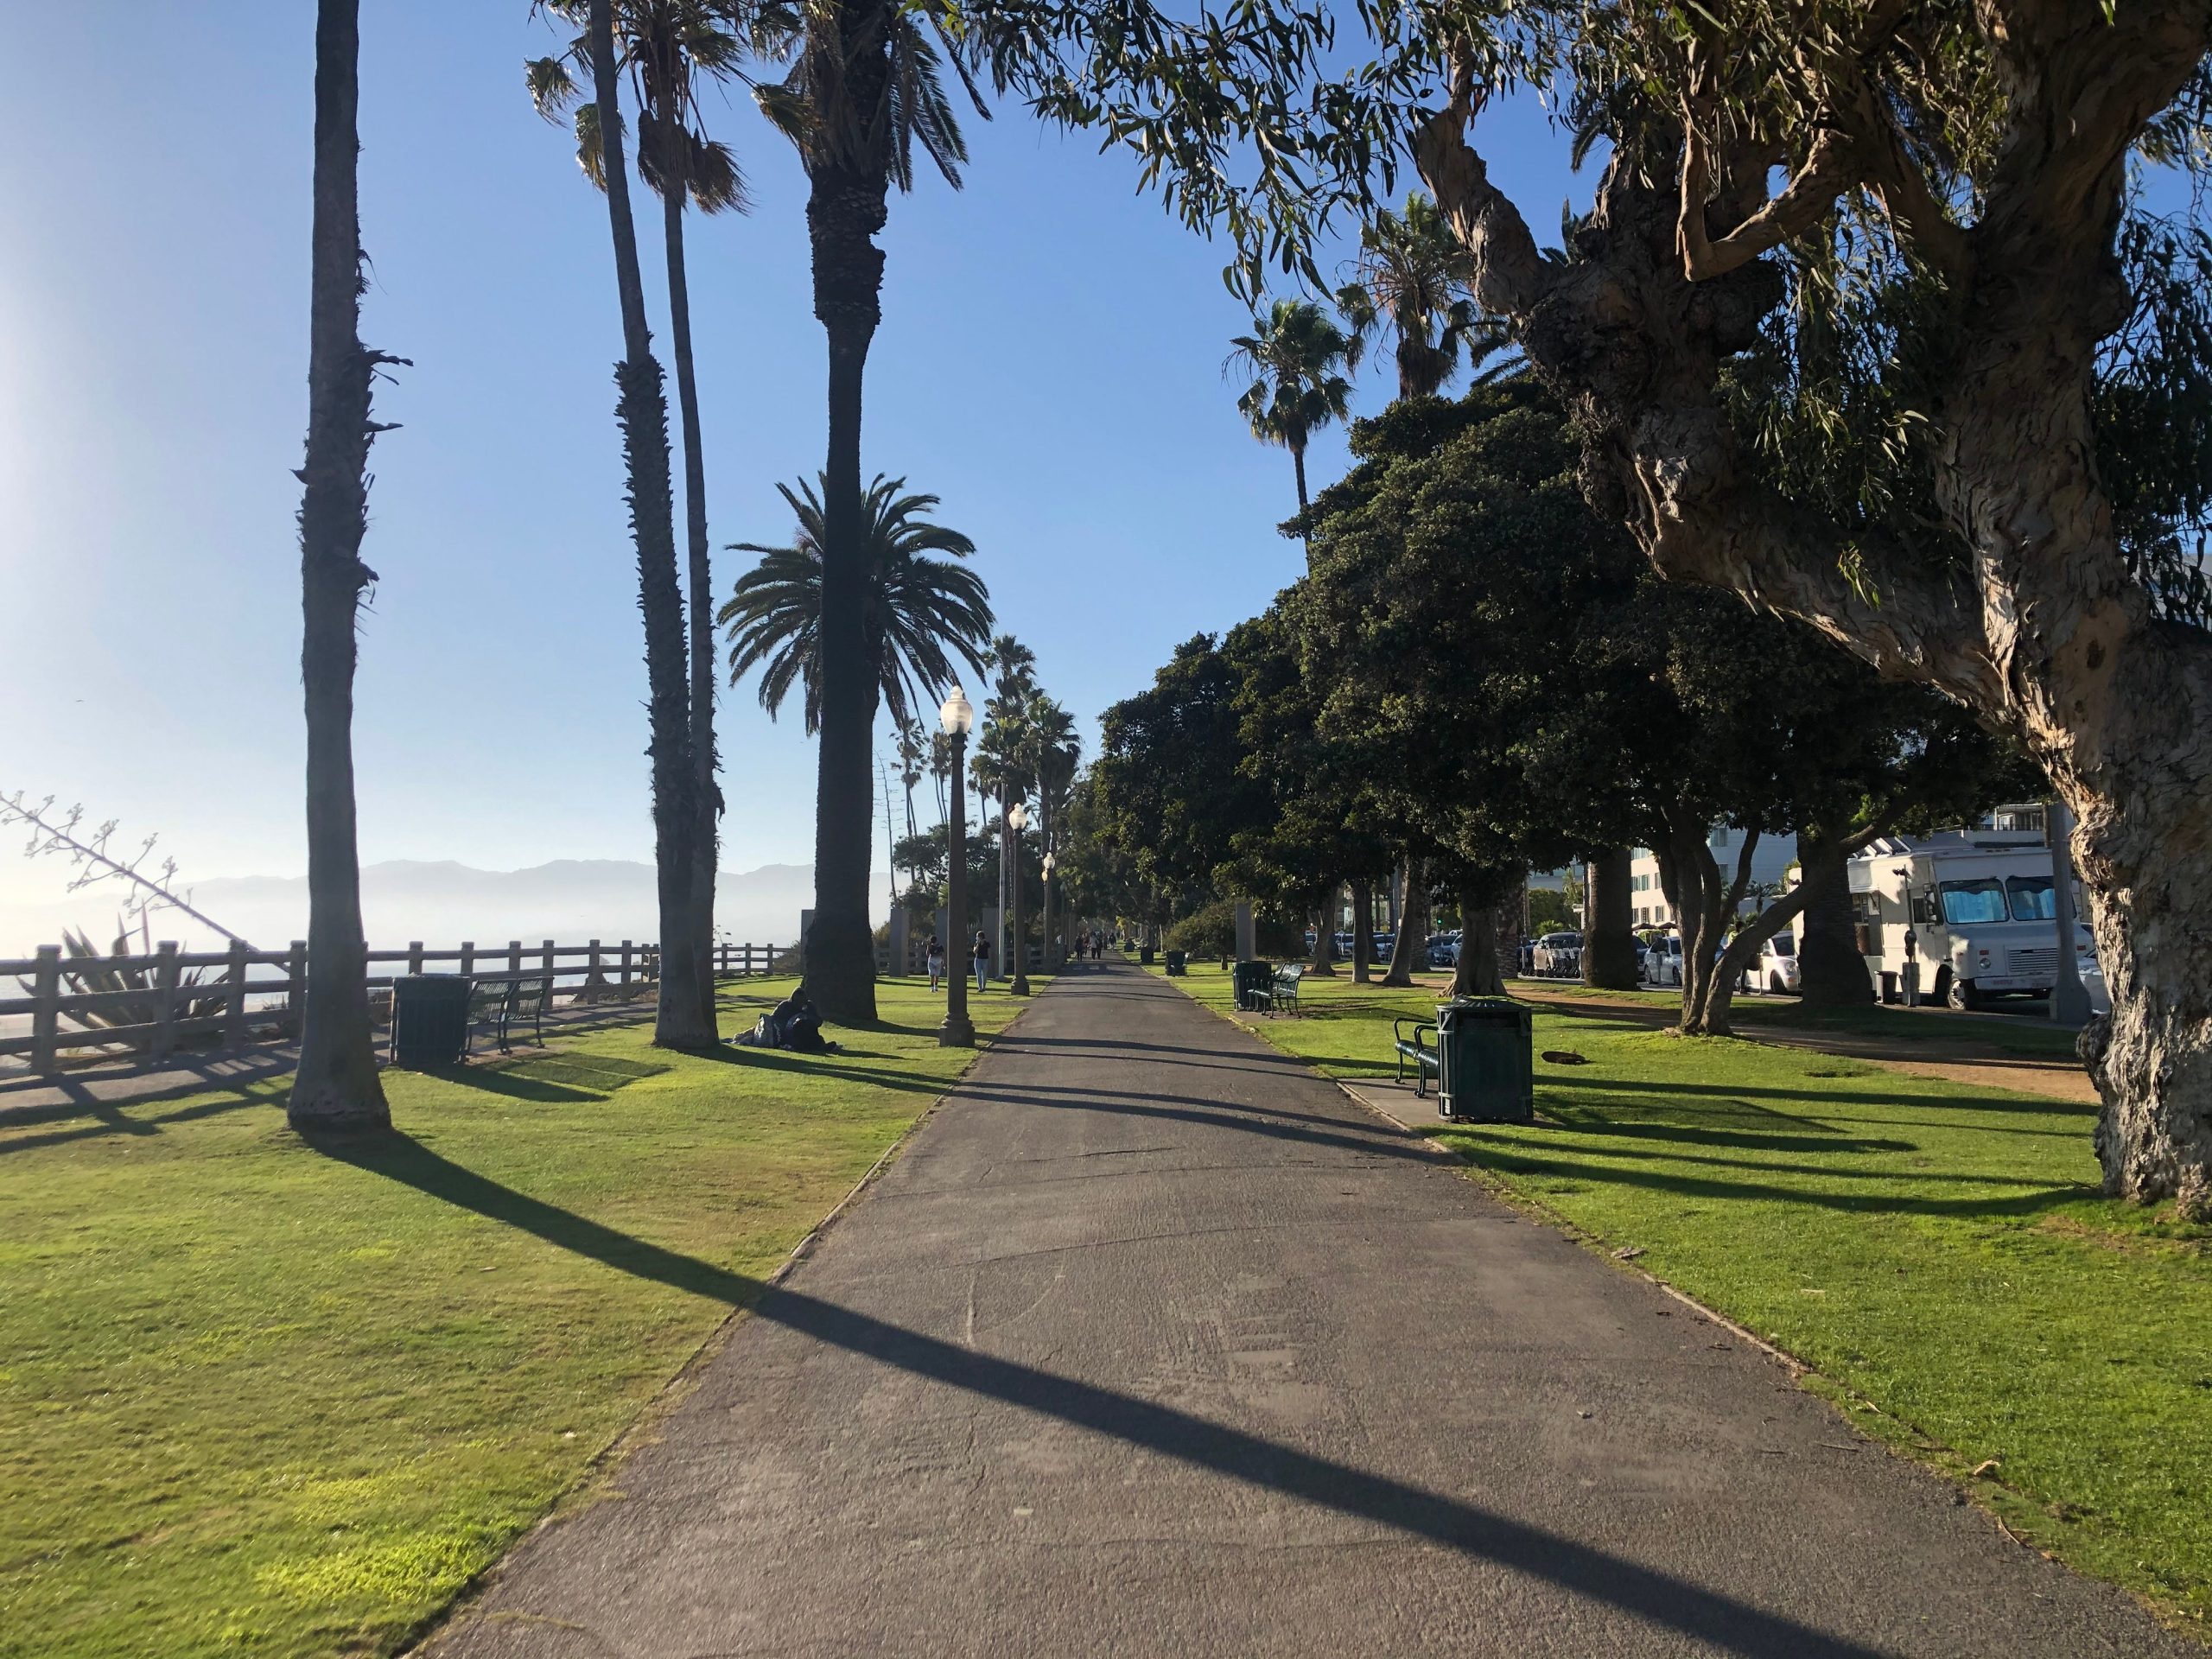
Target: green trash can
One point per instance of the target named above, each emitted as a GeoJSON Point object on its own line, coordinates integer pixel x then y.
{"type": "Point", "coordinates": [429, 1018]}
{"type": "Point", "coordinates": [1144, 955]}
{"type": "Point", "coordinates": [1485, 1071]}
{"type": "Point", "coordinates": [1179, 962]}
{"type": "Point", "coordinates": [1250, 982]}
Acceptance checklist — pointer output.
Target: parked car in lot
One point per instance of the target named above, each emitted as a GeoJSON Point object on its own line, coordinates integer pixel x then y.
{"type": "Point", "coordinates": [1559, 955]}
{"type": "Point", "coordinates": [1663, 961]}
{"type": "Point", "coordinates": [1774, 970]}
{"type": "Point", "coordinates": [1444, 950]}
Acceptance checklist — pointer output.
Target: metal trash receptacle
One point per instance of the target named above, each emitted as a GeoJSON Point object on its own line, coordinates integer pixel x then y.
{"type": "Point", "coordinates": [1485, 1067]}
{"type": "Point", "coordinates": [1144, 955]}
{"type": "Point", "coordinates": [429, 1018]}
{"type": "Point", "coordinates": [1179, 962]}
{"type": "Point", "coordinates": [1250, 981]}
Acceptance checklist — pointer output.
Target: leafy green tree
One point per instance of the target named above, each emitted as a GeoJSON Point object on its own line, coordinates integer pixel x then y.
{"type": "Point", "coordinates": [336, 1086]}
{"type": "Point", "coordinates": [1298, 360]}
{"type": "Point", "coordinates": [667, 46]}
{"type": "Point", "coordinates": [921, 617]}
{"type": "Point", "coordinates": [1521, 686]}
{"type": "Point", "coordinates": [863, 95]}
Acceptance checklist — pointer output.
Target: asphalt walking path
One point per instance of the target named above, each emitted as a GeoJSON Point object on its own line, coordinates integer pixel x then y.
{"type": "Point", "coordinates": [1152, 1342]}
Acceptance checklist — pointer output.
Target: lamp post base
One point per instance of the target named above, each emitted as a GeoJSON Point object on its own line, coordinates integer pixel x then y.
{"type": "Point", "coordinates": [957, 1030]}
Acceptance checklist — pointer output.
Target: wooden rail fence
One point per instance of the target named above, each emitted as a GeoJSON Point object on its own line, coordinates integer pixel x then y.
{"type": "Point", "coordinates": [259, 992]}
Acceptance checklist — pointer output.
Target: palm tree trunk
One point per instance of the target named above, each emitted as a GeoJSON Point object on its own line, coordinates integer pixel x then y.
{"type": "Point", "coordinates": [1298, 461]}
{"type": "Point", "coordinates": [1362, 931]}
{"type": "Point", "coordinates": [641, 411]}
{"type": "Point", "coordinates": [704, 759]}
{"type": "Point", "coordinates": [1609, 941]}
{"type": "Point", "coordinates": [336, 1086]}
{"type": "Point", "coordinates": [844, 210]}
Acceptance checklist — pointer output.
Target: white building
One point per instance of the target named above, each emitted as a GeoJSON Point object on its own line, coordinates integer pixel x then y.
{"type": "Point", "coordinates": [1771, 862]}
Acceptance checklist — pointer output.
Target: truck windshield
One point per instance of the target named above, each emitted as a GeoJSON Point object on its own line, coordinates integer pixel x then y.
{"type": "Point", "coordinates": [2032, 899]}
{"type": "Point", "coordinates": [1967, 902]}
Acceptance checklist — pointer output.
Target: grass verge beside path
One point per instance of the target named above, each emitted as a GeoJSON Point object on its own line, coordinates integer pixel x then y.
{"type": "Point", "coordinates": [1937, 1252]}
{"type": "Point", "coordinates": [257, 1398]}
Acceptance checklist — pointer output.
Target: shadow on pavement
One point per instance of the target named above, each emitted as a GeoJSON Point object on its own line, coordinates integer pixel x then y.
{"type": "Point", "coordinates": [1674, 1602]}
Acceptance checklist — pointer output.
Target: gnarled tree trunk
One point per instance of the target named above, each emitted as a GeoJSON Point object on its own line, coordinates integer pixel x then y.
{"type": "Point", "coordinates": [1323, 959]}
{"type": "Point", "coordinates": [1608, 944]}
{"type": "Point", "coordinates": [336, 1086]}
{"type": "Point", "coordinates": [1412, 907]}
{"type": "Point", "coordinates": [2045, 632]}
{"type": "Point", "coordinates": [1830, 971]}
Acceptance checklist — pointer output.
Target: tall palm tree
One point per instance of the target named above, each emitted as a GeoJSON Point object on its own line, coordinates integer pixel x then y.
{"type": "Point", "coordinates": [1002, 757]}
{"type": "Point", "coordinates": [336, 1086]}
{"type": "Point", "coordinates": [913, 746]}
{"type": "Point", "coordinates": [1297, 359]}
{"type": "Point", "coordinates": [863, 95]}
{"type": "Point", "coordinates": [919, 614]}
{"type": "Point", "coordinates": [1411, 281]}
{"type": "Point", "coordinates": [684, 1015]}
{"type": "Point", "coordinates": [667, 46]}
{"type": "Point", "coordinates": [1055, 749]}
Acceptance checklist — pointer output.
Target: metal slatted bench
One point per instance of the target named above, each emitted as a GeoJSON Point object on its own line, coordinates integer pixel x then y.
{"type": "Point", "coordinates": [1424, 1059]}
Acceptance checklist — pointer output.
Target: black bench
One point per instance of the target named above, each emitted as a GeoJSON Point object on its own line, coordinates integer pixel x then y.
{"type": "Point", "coordinates": [499, 1006]}
{"type": "Point", "coordinates": [1424, 1059]}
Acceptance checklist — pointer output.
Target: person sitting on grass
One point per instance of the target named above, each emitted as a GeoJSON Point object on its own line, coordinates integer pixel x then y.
{"type": "Point", "coordinates": [793, 1023]}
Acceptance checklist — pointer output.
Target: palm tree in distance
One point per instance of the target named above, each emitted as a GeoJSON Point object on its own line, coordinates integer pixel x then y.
{"type": "Point", "coordinates": [862, 96]}
{"type": "Point", "coordinates": [1055, 749]}
{"type": "Point", "coordinates": [684, 1016]}
{"type": "Point", "coordinates": [1410, 280]}
{"type": "Point", "coordinates": [336, 1086]}
{"type": "Point", "coordinates": [921, 615]}
{"type": "Point", "coordinates": [667, 46]}
{"type": "Point", "coordinates": [1000, 765]}
{"type": "Point", "coordinates": [1297, 359]}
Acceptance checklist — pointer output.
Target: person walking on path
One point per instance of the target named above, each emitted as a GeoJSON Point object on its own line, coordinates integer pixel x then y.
{"type": "Point", "coordinates": [982, 955]}
{"type": "Point", "coordinates": [934, 954]}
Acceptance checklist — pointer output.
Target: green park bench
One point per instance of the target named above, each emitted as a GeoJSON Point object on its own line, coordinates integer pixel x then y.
{"type": "Point", "coordinates": [1280, 993]}
{"type": "Point", "coordinates": [1427, 1062]}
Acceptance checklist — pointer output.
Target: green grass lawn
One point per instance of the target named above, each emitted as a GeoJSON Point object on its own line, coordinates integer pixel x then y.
{"type": "Point", "coordinates": [1938, 1253]}
{"type": "Point", "coordinates": [257, 1398]}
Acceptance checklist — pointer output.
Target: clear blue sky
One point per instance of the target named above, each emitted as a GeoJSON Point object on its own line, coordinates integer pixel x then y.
{"type": "Point", "coordinates": [1049, 364]}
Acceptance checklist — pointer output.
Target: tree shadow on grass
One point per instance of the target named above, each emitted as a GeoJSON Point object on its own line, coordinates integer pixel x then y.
{"type": "Point", "coordinates": [1662, 1599]}
{"type": "Point", "coordinates": [825, 1066]}
{"type": "Point", "coordinates": [1517, 1158]}
{"type": "Point", "coordinates": [129, 1118]}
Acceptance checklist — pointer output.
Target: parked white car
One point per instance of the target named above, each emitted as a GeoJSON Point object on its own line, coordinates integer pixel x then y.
{"type": "Point", "coordinates": [1774, 968]}
{"type": "Point", "coordinates": [1663, 962]}
{"type": "Point", "coordinates": [1559, 955]}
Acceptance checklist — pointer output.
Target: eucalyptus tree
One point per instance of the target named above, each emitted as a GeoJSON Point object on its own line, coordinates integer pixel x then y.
{"type": "Point", "coordinates": [1297, 361]}
{"type": "Point", "coordinates": [336, 1086]}
{"type": "Point", "coordinates": [2005, 354]}
{"type": "Point", "coordinates": [684, 1015]}
{"type": "Point", "coordinates": [667, 46]}
{"type": "Point", "coordinates": [922, 611]}
{"type": "Point", "coordinates": [863, 93]}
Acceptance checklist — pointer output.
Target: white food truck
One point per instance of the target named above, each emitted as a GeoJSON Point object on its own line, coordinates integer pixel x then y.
{"type": "Point", "coordinates": [1960, 918]}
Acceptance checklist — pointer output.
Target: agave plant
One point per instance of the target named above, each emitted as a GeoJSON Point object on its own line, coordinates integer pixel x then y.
{"type": "Point", "coordinates": [112, 972]}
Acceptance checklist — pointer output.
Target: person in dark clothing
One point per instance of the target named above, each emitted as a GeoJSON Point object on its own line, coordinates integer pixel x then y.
{"type": "Point", "coordinates": [799, 1024]}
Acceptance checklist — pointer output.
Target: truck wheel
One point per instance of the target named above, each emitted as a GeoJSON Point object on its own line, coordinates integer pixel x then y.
{"type": "Point", "coordinates": [1961, 993]}
{"type": "Point", "coordinates": [1774, 985]}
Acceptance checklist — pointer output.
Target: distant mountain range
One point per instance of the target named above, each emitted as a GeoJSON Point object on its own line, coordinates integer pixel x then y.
{"type": "Point", "coordinates": [570, 900]}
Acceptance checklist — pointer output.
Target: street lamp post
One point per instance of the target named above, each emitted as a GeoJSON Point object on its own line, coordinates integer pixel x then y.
{"type": "Point", "coordinates": [1052, 957]}
{"type": "Point", "coordinates": [958, 719]}
{"type": "Point", "coordinates": [1018, 820]}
